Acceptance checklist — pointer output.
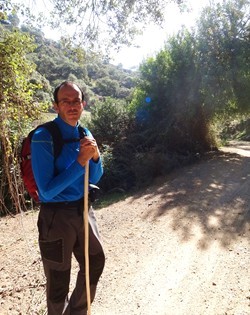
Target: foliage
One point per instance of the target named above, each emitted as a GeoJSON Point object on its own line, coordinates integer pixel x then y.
{"type": "Point", "coordinates": [106, 86]}
{"type": "Point", "coordinates": [197, 77]}
{"type": "Point", "coordinates": [17, 110]}
{"type": "Point", "coordinates": [101, 24]}
{"type": "Point", "coordinates": [168, 100]}
{"type": "Point", "coordinates": [231, 127]}
{"type": "Point", "coordinates": [110, 120]}
{"type": "Point", "coordinates": [57, 62]}
{"type": "Point", "coordinates": [111, 123]}
{"type": "Point", "coordinates": [223, 46]}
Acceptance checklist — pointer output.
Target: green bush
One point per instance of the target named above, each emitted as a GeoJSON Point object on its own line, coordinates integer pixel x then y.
{"type": "Point", "coordinates": [110, 120]}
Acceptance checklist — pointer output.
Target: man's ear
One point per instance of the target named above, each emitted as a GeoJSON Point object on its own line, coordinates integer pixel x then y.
{"type": "Point", "coordinates": [56, 108]}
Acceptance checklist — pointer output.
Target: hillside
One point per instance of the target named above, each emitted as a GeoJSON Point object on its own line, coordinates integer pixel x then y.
{"type": "Point", "coordinates": [181, 247]}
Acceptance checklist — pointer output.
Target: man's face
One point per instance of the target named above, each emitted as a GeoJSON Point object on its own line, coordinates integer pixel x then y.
{"type": "Point", "coordinates": [70, 105]}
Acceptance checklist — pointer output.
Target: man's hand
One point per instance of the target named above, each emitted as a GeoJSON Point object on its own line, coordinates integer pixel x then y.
{"type": "Point", "coordinates": [88, 150]}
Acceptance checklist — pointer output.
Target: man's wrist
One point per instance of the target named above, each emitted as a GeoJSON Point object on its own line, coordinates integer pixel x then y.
{"type": "Point", "coordinates": [82, 162]}
{"type": "Point", "coordinates": [96, 158]}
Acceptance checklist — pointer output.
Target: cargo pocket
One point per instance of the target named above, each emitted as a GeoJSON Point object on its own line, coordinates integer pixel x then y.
{"type": "Point", "coordinates": [52, 250]}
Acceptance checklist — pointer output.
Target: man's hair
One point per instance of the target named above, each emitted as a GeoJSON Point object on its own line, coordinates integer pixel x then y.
{"type": "Point", "coordinates": [55, 93]}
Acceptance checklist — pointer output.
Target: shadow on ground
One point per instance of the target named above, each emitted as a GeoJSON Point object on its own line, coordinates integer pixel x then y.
{"type": "Point", "coordinates": [210, 198]}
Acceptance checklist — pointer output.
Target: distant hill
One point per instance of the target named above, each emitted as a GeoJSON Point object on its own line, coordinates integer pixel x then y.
{"type": "Point", "coordinates": [56, 61]}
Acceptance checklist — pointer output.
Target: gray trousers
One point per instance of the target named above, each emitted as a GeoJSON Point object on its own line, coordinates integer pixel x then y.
{"type": "Point", "coordinates": [61, 234]}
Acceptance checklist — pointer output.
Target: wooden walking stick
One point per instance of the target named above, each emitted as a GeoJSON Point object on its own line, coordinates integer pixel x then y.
{"type": "Point", "coordinates": [86, 235]}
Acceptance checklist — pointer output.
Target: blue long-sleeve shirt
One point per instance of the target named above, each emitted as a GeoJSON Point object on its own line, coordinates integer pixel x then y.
{"type": "Point", "coordinates": [61, 179]}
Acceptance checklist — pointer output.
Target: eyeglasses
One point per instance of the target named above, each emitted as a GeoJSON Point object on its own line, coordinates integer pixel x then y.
{"type": "Point", "coordinates": [69, 103]}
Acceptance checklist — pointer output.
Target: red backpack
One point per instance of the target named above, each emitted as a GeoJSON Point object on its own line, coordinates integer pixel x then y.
{"type": "Point", "coordinates": [25, 164]}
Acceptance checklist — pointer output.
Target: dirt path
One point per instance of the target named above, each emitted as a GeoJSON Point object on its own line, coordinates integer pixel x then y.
{"type": "Point", "coordinates": [178, 248]}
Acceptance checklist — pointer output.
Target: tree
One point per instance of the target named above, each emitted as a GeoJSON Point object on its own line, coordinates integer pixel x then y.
{"type": "Point", "coordinates": [110, 120]}
{"type": "Point", "coordinates": [17, 109]}
{"type": "Point", "coordinates": [110, 124]}
{"type": "Point", "coordinates": [224, 47]}
{"type": "Point", "coordinates": [169, 102]}
{"type": "Point", "coordinates": [101, 23]}
{"type": "Point", "coordinates": [106, 87]}
{"type": "Point", "coordinates": [14, 20]}
{"type": "Point", "coordinates": [196, 76]}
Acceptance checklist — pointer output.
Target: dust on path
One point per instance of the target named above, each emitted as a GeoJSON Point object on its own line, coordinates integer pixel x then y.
{"type": "Point", "coordinates": [180, 247]}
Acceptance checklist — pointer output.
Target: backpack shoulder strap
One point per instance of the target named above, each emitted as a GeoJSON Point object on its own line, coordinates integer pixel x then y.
{"type": "Point", "coordinates": [56, 135]}
{"type": "Point", "coordinates": [57, 138]}
{"type": "Point", "coordinates": [82, 132]}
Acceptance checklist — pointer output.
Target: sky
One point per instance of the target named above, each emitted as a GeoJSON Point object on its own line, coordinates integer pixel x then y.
{"type": "Point", "coordinates": [153, 37]}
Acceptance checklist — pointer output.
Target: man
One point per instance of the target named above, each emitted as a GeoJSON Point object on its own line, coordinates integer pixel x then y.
{"type": "Point", "coordinates": [61, 188]}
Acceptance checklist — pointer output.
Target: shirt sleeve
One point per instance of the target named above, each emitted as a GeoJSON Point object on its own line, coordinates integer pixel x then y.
{"type": "Point", "coordinates": [95, 167]}
{"type": "Point", "coordinates": [95, 171]}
